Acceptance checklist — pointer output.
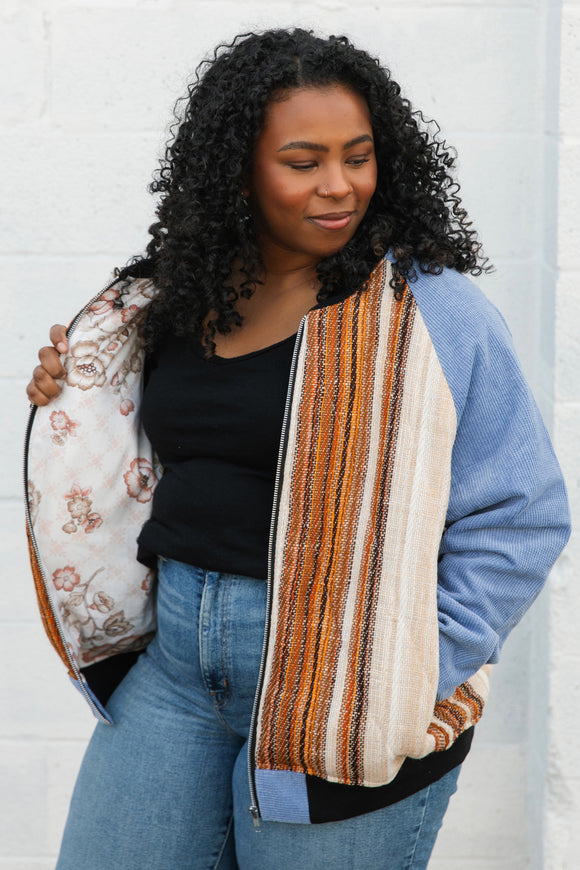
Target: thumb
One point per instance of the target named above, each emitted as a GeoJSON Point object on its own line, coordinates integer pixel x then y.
{"type": "Point", "coordinates": [58, 337]}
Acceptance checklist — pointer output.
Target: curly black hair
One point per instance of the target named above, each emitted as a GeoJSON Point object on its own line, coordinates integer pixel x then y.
{"type": "Point", "coordinates": [202, 217]}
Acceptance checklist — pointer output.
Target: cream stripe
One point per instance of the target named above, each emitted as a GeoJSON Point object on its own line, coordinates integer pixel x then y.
{"type": "Point", "coordinates": [404, 669]}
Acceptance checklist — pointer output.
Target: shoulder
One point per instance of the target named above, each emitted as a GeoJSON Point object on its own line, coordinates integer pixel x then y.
{"type": "Point", "coordinates": [468, 333]}
{"type": "Point", "coordinates": [452, 305]}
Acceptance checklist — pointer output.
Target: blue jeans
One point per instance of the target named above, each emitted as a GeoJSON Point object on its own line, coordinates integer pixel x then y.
{"type": "Point", "coordinates": [166, 787]}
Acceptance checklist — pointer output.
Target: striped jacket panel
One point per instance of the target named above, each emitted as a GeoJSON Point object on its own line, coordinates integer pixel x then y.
{"type": "Point", "coordinates": [352, 667]}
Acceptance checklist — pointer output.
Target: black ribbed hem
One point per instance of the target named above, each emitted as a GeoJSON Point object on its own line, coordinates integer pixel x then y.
{"type": "Point", "coordinates": [333, 802]}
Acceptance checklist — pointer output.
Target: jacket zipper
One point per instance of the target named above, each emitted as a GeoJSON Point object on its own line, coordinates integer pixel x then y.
{"type": "Point", "coordinates": [33, 408]}
{"type": "Point", "coordinates": [254, 807]}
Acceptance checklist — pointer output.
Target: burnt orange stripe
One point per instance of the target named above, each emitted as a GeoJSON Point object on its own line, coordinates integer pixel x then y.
{"type": "Point", "coordinates": [281, 696]}
{"type": "Point", "coordinates": [46, 613]}
{"type": "Point", "coordinates": [440, 735]}
{"type": "Point", "coordinates": [324, 485]}
{"type": "Point", "coordinates": [452, 715]}
{"type": "Point", "coordinates": [306, 609]}
{"type": "Point", "coordinates": [313, 610]}
{"type": "Point", "coordinates": [321, 678]}
{"type": "Point", "coordinates": [321, 476]}
{"type": "Point", "coordinates": [349, 696]}
{"type": "Point", "coordinates": [471, 699]}
{"type": "Point", "coordinates": [357, 455]}
{"type": "Point", "coordinates": [317, 721]}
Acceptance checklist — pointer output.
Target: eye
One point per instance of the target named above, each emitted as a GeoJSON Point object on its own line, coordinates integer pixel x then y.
{"type": "Point", "coordinates": [357, 161]}
{"type": "Point", "coordinates": [302, 167]}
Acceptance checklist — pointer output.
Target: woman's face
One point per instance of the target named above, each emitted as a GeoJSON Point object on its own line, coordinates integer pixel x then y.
{"type": "Point", "coordinates": [313, 175]}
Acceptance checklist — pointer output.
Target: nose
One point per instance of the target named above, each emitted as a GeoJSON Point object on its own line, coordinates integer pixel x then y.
{"type": "Point", "coordinates": [334, 184]}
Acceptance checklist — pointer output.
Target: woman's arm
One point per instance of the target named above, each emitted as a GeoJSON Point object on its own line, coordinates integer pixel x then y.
{"type": "Point", "coordinates": [507, 519]}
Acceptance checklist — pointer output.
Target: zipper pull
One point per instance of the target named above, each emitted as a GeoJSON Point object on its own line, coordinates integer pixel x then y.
{"type": "Point", "coordinates": [255, 814]}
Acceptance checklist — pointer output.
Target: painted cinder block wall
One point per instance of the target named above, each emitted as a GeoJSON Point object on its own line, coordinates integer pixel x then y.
{"type": "Point", "coordinates": [85, 99]}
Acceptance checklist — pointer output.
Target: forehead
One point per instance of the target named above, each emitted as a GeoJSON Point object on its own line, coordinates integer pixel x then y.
{"type": "Point", "coordinates": [316, 114]}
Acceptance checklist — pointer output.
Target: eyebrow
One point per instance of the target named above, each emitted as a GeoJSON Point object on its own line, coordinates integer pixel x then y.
{"type": "Point", "coordinates": [312, 146]}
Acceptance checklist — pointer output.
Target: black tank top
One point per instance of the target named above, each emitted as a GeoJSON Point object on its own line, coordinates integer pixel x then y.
{"type": "Point", "coordinates": [215, 425]}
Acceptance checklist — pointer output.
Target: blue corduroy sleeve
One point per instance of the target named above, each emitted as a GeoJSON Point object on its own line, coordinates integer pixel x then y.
{"type": "Point", "coordinates": [507, 518]}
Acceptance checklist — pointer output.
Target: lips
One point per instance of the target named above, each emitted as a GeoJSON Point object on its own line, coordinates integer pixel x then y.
{"type": "Point", "coordinates": [336, 220]}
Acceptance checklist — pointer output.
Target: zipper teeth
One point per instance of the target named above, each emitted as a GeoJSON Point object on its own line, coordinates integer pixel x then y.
{"type": "Point", "coordinates": [33, 408]}
{"type": "Point", "coordinates": [269, 579]}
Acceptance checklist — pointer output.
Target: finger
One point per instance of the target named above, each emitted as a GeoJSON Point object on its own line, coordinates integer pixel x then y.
{"type": "Point", "coordinates": [37, 396]}
{"type": "Point", "coordinates": [50, 362]}
{"type": "Point", "coordinates": [45, 383]}
{"type": "Point", "coordinates": [58, 337]}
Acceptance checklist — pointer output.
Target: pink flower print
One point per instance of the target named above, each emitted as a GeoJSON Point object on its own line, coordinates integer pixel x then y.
{"type": "Point", "coordinates": [117, 624]}
{"type": "Point", "coordinates": [125, 644]}
{"type": "Point", "coordinates": [79, 505]}
{"type": "Point", "coordinates": [147, 288]}
{"type": "Point", "coordinates": [66, 578]}
{"type": "Point", "coordinates": [135, 363]}
{"type": "Point", "coordinates": [76, 491]}
{"type": "Point", "coordinates": [85, 368]}
{"type": "Point", "coordinates": [69, 528]}
{"type": "Point", "coordinates": [91, 523]}
{"type": "Point", "coordinates": [61, 422]}
{"type": "Point", "coordinates": [63, 426]}
{"type": "Point", "coordinates": [140, 480]}
{"type": "Point", "coordinates": [126, 407]}
{"type": "Point", "coordinates": [148, 582]}
{"type": "Point", "coordinates": [105, 302]}
{"type": "Point", "coordinates": [33, 500]}
{"type": "Point", "coordinates": [128, 313]}
{"type": "Point", "coordinates": [102, 602]}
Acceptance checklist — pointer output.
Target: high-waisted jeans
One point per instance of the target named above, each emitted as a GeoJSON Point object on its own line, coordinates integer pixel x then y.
{"type": "Point", "coordinates": [166, 786]}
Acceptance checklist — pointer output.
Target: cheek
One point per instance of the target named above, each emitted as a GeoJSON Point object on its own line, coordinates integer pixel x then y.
{"type": "Point", "coordinates": [285, 196]}
{"type": "Point", "coordinates": [287, 200]}
{"type": "Point", "coordinates": [369, 186]}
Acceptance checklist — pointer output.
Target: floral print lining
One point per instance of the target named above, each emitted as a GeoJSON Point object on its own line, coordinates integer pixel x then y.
{"type": "Point", "coordinates": [76, 610]}
{"type": "Point", "coordinates": [79, 507]}
{"type": "Point", "coordinates": [92, 474]}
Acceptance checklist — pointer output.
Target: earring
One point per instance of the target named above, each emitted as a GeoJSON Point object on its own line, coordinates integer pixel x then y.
{"type": "Point", "coordinates": [246, 211]}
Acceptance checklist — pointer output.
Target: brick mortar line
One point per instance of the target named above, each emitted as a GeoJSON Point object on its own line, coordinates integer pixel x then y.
{"type": "Point", "coordinates": [60, 257]}
{"type": "Point", "coordinates": [38, 254]}
{"type": "Point", "coordinates": [339, 6]}
{"type": "Point", "coordinates": [78, 255]}
{"type": "Point", "coordinates": [12, 130]}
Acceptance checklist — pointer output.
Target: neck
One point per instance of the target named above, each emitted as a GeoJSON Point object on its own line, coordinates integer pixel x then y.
{"type": "Point", "coordinates": [287, 269]}
{"type": "Point", "coordinates": [282, 281]}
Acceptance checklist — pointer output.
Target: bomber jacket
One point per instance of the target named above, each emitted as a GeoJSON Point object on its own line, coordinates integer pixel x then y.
{"type": "Point", "coordinates": [418, 508]}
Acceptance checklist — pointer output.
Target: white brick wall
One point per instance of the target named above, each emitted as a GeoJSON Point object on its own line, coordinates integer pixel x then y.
{"type": "Point", "coordinates": [562, 805]}
{"type": "Point", "coordinates": [86, 91]}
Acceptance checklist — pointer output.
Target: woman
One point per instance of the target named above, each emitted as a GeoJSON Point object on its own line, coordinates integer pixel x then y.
{"type": "Point", "coordinates": [306, 277]}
